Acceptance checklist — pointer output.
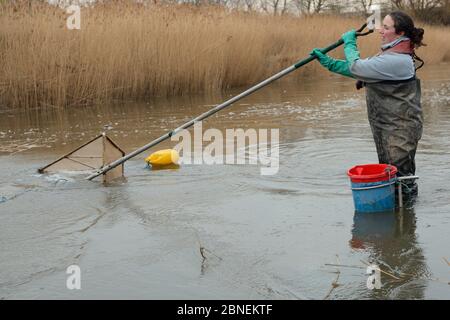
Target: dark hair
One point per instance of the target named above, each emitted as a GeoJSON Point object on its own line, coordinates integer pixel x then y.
{"type": "Point", "coordinates": [403, 22]}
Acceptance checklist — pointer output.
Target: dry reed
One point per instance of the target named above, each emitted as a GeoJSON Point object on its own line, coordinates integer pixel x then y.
{"type": "Point", "coordinates": [129, 51]}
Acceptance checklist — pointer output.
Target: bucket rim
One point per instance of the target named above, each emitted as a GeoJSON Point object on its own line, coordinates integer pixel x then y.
{"type": "Point", "coordinates": [382, 176]}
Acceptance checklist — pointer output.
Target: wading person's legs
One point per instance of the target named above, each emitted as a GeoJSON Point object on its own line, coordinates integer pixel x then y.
{"type": "Point", "coordinates": [399, 149]}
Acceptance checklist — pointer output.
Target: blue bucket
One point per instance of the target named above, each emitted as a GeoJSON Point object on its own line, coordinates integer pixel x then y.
{"type": "Point", "coordinates": [373, 187]}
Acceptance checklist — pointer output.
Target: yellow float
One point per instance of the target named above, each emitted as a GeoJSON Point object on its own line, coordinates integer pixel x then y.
{"type": "Point", "coordinates": [164, 157]}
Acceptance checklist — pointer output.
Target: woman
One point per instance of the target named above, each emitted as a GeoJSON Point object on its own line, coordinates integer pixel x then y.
{"type": "Point", "coordinates": [392, 91]}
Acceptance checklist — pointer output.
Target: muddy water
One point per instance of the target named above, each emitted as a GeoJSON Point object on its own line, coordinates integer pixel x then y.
{"type": "Point", "coordinates": [223, 231]}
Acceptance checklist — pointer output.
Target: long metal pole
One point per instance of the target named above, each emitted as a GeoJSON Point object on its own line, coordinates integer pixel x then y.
{"type": "Point", "coordinates": [225, 104]}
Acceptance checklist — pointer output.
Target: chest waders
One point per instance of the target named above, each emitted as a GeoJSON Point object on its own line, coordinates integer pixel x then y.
{"type": "Point", "coordinates": [395, 117]}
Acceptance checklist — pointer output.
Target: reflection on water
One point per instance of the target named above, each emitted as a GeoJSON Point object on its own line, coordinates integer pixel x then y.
{"type": "Point", "coordinates": [390, 241]}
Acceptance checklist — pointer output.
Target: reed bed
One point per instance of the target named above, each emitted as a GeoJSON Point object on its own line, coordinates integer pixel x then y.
{"type": "Point", "coordinates": [127, 51]}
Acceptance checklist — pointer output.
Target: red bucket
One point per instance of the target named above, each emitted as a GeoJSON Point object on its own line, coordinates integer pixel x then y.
{"type": "Point", "coordinates": [366, 173]}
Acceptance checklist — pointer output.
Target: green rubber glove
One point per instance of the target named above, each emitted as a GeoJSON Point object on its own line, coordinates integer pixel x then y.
{"type": "Point", "coordinates": [350, 49]}
{"type": "Point", "coordinates": [334, 65]}
{"type": "Point", "coordinates": [349, 36]}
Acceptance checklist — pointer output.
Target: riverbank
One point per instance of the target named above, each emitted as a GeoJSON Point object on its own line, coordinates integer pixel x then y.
{"type": "Point", "coordinates": [132, 52]}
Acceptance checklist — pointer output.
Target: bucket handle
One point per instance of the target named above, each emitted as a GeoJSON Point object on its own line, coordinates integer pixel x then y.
{"type": "Point", "coordinates": [400, 196]}
{"type": "Point", "coordinates": [375, 187]}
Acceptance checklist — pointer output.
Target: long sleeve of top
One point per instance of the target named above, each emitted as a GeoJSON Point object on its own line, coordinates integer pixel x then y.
{"type": "Point", "coordinates": [385, 66]}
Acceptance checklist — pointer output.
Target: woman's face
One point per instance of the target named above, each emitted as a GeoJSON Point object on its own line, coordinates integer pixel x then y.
{"type": "Point", "coordinates": [387, 31]}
